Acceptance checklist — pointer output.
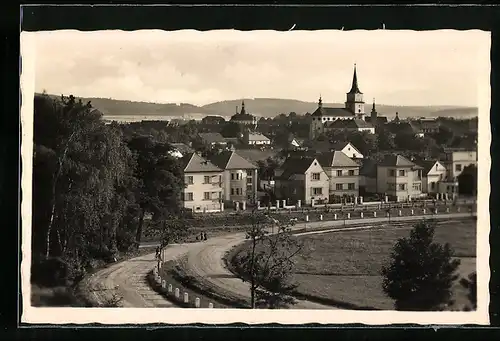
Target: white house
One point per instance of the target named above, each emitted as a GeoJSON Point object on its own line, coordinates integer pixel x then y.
{"type": "Point", "coordinates": [255, 138]}
{"type": "Point", "coordinates": [348, 149]}
{"type": "Point", "coordinates": [433, 174]}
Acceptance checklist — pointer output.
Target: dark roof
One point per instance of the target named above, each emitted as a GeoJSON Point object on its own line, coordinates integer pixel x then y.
{"type": "Point", "coordinates": [231, 160]}
{"type": "Point", "coordinates": [396, 161]}
{"type": "Point", "coordinates": [217, 119]}
{"type": "Point", "coordinates": [355, 87]}
{"type": "Point", "coordinates": [337, 112]}
{"type": "Point", "coordinates": [193, 163]}
{"type": "Point", "coordinates": [427, 165]}
{"type": "Point", "coordinates": [348, 124]}
{"type": "Point", "coordinates": [403, 127]}
{"type": "Point", "coordinates": [380, 119]}
{"type": "Point", "coordinates": [242, 117]}
{"type": "Point", "coordinates": [295, 165]}
{"type": "Point", "coordinates": [336, 159]}
{"type": "Point", "coordinates": [212, 137]}
{"type": "Point", "coordinates": [368, 168]}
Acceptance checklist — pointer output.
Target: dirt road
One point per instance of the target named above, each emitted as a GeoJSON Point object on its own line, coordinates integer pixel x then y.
{"type": "Point", "coordinates": [128, 280]}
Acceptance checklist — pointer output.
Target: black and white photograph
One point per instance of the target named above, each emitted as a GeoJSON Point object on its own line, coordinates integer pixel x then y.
{"type": "Point", "coordinates": [314, 176]}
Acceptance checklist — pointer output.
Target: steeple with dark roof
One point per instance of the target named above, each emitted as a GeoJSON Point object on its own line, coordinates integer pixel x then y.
{"type": "Point", "coordinates": [373, 117]}
{"type": "Point", "coordinates": [243, 112]}
{"type": "Point", "coordinates": [320, 102]}
{"type": "Point", "coordinates": [355, 87]}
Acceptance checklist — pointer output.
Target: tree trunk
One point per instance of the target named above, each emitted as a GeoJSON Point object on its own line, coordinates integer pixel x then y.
{"type": "Point", "coordinates": [252, 295]}
{"type": "Point", "coordinates": [252, 274]}
{"type": "Point", "coordinates": [138, 235]}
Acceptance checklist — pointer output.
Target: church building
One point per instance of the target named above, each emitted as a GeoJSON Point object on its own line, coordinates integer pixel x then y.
{"type": "Point", "coordinates": [354, 109]}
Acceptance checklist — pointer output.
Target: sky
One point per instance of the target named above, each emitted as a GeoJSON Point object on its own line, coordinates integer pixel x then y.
{"type": "Point", "coordinates": [395, 67]}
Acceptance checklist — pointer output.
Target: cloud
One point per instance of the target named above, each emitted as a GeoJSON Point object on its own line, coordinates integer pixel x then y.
{"type": "Point", "coordinates": [396, 67]}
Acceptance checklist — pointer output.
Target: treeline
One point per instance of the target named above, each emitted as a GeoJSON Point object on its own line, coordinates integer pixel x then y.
{"type": "Point", "coordinates": [93, 184]}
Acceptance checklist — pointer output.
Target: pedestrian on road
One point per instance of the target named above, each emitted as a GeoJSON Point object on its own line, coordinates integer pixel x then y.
{"type": "Point", "coordinates": [204, 236]}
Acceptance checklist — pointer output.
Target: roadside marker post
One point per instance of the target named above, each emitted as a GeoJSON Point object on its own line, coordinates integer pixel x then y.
{"type": "Point", "coordinates": [186, 297]}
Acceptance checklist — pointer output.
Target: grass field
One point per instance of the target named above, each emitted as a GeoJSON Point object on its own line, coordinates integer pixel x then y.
{"type": "Point", "coordinates": [345, 266]}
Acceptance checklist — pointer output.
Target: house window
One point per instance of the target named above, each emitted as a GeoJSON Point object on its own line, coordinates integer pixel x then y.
{"type": "Point", "coordinates": [188, 196]}
{"type": "Point", "coordinates": [249, 173]}
{"type": "Point", "coordinates": [315, 176]}
{"type": "Point", "coordinates": [206, 196]}
{"type": "Point", "coordinates": [402, 172]}
{"type": "Point", "coordinates": [339, 173]}
{"type": "Point", "coordinates": [458, 168]}
{"type": "Point", "coordinates": [350, 187]}
{"type": "Point", "coordinates": [401, 187]}
{"type": "Point", "coordinates": [232, 176]}
{"type": "Point", "coordinates": [416, 187]}
{"type": "Point", "coordinates": [433, 185]}
{"type": "Point", "coordinates": [189, 180]}
{"type": "Point", "coordinates": [206, 179]}
{"type": "Point", "coordinates": [351, 172]}
{"type": "Point", "coordinates": [317, 191]}
{"type": "Point", "coordinates": [392, 172]}
{"type": "Point", "coordinates": [232, 191]}
{"type": "Point", "coordinates": [339, 187]}
{"type": "Point", "coordinates": [249, 180]}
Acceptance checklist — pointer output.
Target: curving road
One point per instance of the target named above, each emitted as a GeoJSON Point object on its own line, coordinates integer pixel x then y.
{"type": "Point", "coordinates": [128, 278]}
{"type": "Point", "coordinates": [205, 260]}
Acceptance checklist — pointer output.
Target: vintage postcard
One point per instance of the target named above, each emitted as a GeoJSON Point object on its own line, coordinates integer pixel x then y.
{"type": "Point", "coordinates": [224, 176]}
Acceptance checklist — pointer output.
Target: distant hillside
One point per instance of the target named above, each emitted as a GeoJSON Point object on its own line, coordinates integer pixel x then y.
{"type": "Point", "coordinates": [264, 107]}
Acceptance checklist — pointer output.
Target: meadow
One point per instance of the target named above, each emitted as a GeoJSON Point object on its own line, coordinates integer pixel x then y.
{"type": "Point", "coordinates": [345, 266]}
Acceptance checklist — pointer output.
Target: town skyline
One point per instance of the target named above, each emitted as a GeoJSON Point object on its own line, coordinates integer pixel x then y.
{"type": "Point", "coordinates": [203, 68]}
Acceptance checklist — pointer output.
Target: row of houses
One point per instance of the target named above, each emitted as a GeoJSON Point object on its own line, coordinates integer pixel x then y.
{"type": "Point", "coordinates": [332, 176]}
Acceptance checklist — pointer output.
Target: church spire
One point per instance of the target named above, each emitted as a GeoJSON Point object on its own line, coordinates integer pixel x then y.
{"type": "Point", "coordinates": [320, 102]}
{"type": "Point", "coordinates": [354, 87]}
{"type": "Point", "coordinates": [373, 108]}
{"type": "Point", "coordinates": [243, 107]}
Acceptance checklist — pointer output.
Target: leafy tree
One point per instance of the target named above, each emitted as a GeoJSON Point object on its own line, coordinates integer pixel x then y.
{"type": "Point", "coordinates": [231, 129]}
{"type": "Point", "coordinates": [470, 283]}
{"type": "Point", "coordinates": [385, 140]}
{"type": "Point", "coordinates": [421, 272]}
{"type": "Point", "coordinates": [467, 180]}
{"type": "Point", "coordinates": [80, 164]}
{"type": "Point", "coordinates": [269, 262]}
{"type": "Point", "coordinates": [160, 180]}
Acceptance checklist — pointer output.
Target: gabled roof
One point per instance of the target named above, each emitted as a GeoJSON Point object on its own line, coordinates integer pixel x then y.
{"type": "Point", "coordinates": [348, 124]}
{"type": "Point", "coordinates": [257, 137]}
{"type": "Point", "coordinates": [336, 159]}
{"type": "Point", "coordinates": [343, 144]}
{"type": "Point", "coordinates": [335, 112]}
{"type": "Point", "coordinates": [396, 161]}
{"type": "Point", "coordinates": [295, 165]}
{"type": "Point", "coordinates": [231, 160]}
{"type": "Point", "coordinates": [427, 165]}
{"type": "Point", "coordinates": [242, 117]}
{"type": "Point", "coordinates": [212, 137]}
{"type": "Point", "coordinates": [193, 163]}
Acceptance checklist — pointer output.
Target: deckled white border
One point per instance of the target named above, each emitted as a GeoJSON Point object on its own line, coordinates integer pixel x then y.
{"type": "Point", "coordinates": [224, 316]}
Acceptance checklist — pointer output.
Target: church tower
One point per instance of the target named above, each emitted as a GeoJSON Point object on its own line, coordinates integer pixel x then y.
{"type": "Point", "coordinates": [354, 102]}
{"type": "Point", "coordinates": [373, 114]}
